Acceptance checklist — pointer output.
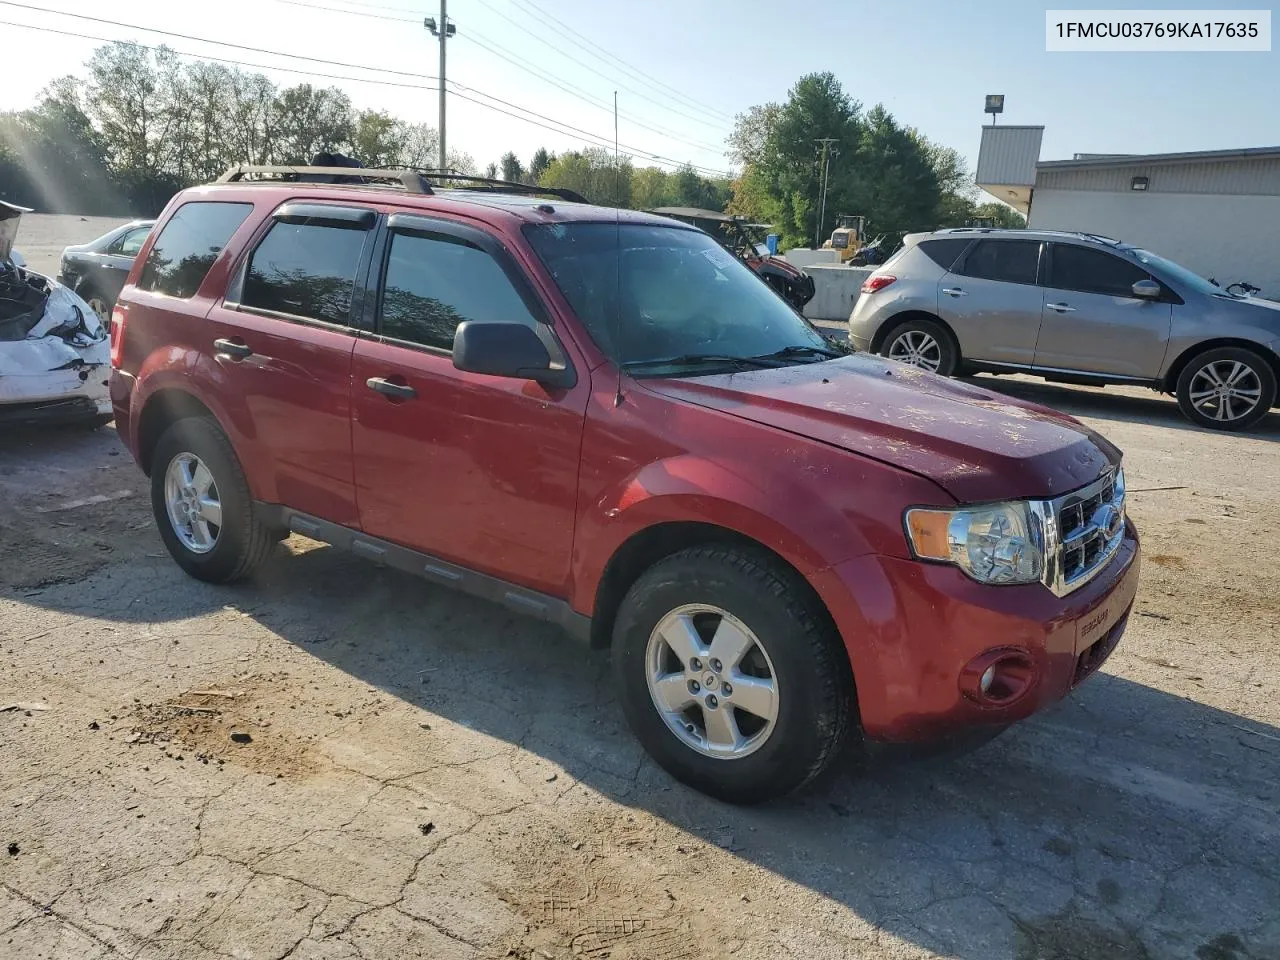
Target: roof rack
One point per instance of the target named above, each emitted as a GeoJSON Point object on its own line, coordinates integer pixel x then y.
{"type": "Point", "coordinates": [412, 180]}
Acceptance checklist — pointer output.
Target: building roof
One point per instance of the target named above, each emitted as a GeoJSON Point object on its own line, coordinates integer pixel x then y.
{"type": "Point", "coordinates": [1146, 159]}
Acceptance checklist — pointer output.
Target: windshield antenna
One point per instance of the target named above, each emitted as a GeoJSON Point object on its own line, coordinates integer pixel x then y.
{"type": "Point", "coordinates": [617, 234]}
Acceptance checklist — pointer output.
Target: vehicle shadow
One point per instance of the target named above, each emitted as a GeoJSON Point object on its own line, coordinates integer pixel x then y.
{"type": "Point", "coordinates": [1127, 823]}
{"type": "Point", "coordinates": [1129, 406]}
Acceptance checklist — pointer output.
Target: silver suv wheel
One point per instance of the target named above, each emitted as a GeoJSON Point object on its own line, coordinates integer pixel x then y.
{"type": "Point", "coordinates": [917, 348]}
{"type": "Point", "coordinates": [1225, 390]}
{"type": "Point", "coordinates": [712, 681]}
{"type": "Point", "coordinates": [192, 503]}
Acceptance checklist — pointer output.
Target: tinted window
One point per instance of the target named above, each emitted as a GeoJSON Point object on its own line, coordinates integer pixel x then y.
{"type": "Point", "coordinates": [945, 252]}
{"type": "Point", "coordinates": [1092, 271]}
{"type": "Point", "coordinates": [306, 270]}
{"type": "Point", "coordinates": [131, 242]}
{"type": "Point", "coordinates": [434, 282]}
{"type": "Point", "coordinates": [1013, 261]}
{"type": "Point", "coordinates": [188, 245]}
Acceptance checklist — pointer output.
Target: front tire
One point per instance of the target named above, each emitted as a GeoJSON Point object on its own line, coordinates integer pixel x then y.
{"type": "Point", "coordinates": [202, 504]}
{"type": "Point", "coordinates": [1227, 388]}
{"type": "Point", "coordinates": [731, 676]}
{"type": "Point", "coordinates": [925, 344]}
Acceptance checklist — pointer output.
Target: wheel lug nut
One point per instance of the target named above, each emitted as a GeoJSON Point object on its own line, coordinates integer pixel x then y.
{"type": "Point", "coordinates": [715, 665]}
{"type": "Point", "coordinates": [694, 686]}
{"type": "Point", "coordinates": [695, 664]}
{"type": "Point", "coordinates": [712, 702]}
{"type": "Point", "coordinates": [726, 689]}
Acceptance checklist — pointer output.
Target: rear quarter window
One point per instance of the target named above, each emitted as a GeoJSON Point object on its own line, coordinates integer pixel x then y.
{"type": "Point", "coordinates": [188, 245]}
{"type": "Point", "coordinates": [945, 251]}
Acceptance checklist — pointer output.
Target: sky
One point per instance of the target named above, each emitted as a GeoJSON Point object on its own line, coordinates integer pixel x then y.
{"type": "Point", "coordinates": [683, 69]}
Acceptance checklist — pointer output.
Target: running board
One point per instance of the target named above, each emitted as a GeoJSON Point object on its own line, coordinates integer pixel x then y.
{"type": "Point", "coordinates": [522, 600]}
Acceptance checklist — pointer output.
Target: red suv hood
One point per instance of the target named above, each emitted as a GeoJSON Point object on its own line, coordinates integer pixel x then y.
{"type": "Point", "coordinates": [975, 444]}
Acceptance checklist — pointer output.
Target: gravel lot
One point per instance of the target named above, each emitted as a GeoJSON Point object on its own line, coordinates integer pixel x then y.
{"type": "Point", "coordinates": [338, 761]}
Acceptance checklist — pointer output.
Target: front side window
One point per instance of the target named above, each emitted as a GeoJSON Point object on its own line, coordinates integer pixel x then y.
{"type": "Point", "coordinates": [435, 281]}
{"type": "Point", "coordinates": [1093, 271]}
{"type": "Point", "coordinates": [188, 245]}
{"type": "Point", "coordinates": [305, 270]}
{"type": "Point", "coordinates": [651, 294]}
{"type": "Point", "coordinates": [1010, 261]}
{"type": "Point", "coordinates": [131, 242]}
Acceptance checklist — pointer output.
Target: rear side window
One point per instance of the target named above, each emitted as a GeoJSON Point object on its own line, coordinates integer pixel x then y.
{"type": "Point", "coordinates": [131, 242]}
{"type": "Point", "coordinates": [434, 282]}
{"type": "Point", "coordinates": [945, 252]}
{"type": "Point", "coordinates": [1093, 271]}
{"type": "Point", "coordinates": [1012, 261]}
{"type": "Point", "coordinates": [305, 270]}
{"type": "Point", "coordinates": [187, 246]}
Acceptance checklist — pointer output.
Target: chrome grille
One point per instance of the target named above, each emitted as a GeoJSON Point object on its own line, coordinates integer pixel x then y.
{"type": "Point", "coordinates": [1073, 527]}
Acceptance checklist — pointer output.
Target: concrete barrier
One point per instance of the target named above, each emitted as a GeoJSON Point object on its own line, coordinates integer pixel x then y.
{"type": "Point", "coordinates": [803, 257]}
{"type": "Point", "coordinates": [836, 290]}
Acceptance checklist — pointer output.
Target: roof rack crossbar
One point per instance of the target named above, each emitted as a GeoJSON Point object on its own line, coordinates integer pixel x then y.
{"type": "Point", "coordinates": [413, 180]}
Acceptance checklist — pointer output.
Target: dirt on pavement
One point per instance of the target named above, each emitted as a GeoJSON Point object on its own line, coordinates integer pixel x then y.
{"type": "Point", "coordinates": [339, 761]}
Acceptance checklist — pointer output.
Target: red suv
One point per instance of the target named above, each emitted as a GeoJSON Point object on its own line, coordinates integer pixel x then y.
{"type": "Point", "coordinates": [605, 420]}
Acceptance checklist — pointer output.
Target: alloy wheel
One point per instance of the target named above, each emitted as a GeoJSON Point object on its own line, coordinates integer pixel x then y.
{"type": "Point", "coordinates": [192, 502]}
{"type": "Point", "coordinates": [918, 349]}
{"type": "Point", "coordinates": [1225, 390]}
{"type": "Point", "coordinates": [712, 681]}
{"type": "Point", "coordinates": [99, 307]}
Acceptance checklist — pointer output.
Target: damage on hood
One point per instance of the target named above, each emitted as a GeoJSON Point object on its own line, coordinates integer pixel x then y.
{"type": "Point", "coordinates": [975, 444]}
{"type": "Point", "coordinates": [10, 217]}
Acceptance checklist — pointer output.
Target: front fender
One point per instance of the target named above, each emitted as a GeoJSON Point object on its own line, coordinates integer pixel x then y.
{"type": "Point", "coordinates": [792, 520]}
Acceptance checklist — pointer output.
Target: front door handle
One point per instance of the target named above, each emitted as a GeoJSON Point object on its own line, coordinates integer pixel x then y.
{"type": "Point", "coordinates": [953, 292]}
{"type": "Point", "coordinates": [401, 391]}
{"type": "Point", "coordinates": [1060, 308]}
{"type": "Point", "coordinates": [235, 349]}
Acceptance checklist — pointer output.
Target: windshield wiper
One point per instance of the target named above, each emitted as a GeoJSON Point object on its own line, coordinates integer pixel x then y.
{"type": "Point", "coordinates": [696, 359]}
{"type": "Point", "coordinates": [786, 353]}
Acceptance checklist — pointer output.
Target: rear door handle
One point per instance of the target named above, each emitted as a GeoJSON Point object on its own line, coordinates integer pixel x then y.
{"type": "Point", "coordinates": [401, 391]}
{"type": "Point", "coordinates": [953, 292]}
{"type": "Point", "coordinates": [1060, 308]}
{"type": "Point", "coordinates": [233, 348]}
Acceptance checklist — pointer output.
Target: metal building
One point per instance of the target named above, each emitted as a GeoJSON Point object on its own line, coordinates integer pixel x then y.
{"type": "Point", "coordinates": [1216, 211]}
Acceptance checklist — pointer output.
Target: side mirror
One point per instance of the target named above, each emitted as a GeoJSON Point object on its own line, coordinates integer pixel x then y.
{"type": "Point", "coordinates": [1146, 290]}
{"type": "Point", "coordinates": [506, 350]}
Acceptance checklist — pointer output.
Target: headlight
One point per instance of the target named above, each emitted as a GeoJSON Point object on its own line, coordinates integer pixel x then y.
{"type": "Point", "coordinates": [995, 543]}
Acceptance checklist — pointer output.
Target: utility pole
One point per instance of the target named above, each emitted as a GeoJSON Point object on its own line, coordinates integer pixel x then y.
{"type": "Point", "coordinates": [443, 32]}
{"type": "Point", "coordinates": [822, 201]}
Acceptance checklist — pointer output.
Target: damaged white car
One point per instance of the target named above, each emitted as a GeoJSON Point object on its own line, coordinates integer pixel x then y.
{"type": "Point", "coordinates": [54, 351]}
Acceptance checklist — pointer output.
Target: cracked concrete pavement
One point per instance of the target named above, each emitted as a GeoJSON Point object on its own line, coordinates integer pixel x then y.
{"type": "Point", "coordinates": [419, 774]}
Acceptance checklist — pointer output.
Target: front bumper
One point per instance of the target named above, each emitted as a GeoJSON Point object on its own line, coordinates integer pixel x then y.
{"type": "Point", "coordinates": [911, 628]}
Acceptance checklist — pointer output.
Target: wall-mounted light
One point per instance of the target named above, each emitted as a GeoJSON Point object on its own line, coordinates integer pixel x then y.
{"type": "Point", "coordinates": [1139, 183]}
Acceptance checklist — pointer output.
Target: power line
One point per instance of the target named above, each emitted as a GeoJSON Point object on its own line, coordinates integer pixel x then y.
{"type": "Point", "coordinates": [216, 43]}
{"type": "Point", "coordinates": [238, 63]}
{"type": "Point", "coordinates": [354, 13]}
{"type": "Point", "coordinates": [576, 91]}
{"type": "Point", "coordinates": [635, 70]}
{"type": "Point", "coordinates": [586, 66]}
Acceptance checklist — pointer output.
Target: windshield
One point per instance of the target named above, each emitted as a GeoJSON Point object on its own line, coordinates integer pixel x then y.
{"type": "Point", "coordinates": [1177, 273]}
{"type": "Point", "coordinates": [649, 293]}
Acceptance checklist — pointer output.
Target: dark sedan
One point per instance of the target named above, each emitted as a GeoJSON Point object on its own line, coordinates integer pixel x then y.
{"type": "Point", "coordinates": [98, 269]}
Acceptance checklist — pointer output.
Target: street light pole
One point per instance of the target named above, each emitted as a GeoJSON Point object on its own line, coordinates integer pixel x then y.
{"type": "Point", "coordinates": [442, 32]}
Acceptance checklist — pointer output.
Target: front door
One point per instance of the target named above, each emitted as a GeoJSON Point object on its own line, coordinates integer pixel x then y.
{"type": "Point", "coordinates": [992, 302]}
{"type": "Point", "coordinates": [1092, 321]}
{"type": "Point", "coordinates": [481, 471]}
{"type": "Point", "coordinates": [284, 338]}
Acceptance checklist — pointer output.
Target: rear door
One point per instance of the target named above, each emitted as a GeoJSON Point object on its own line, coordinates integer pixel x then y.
{"type": "Point", "coordinates": [283, 339]}
{"type": "Point", "coordinates": [992, 301]}
{"type": "Point", "coordinates": [1093, 322]}
{"type": "Point", "coordinates": [477, 470]}
{"type": "Point", "coordinates": [117, 261]}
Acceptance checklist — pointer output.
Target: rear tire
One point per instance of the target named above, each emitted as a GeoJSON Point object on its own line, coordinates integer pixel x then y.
{"type": "Point", "coordinates": [787, 735]}
{"type": "Point", "coordinates": [221, 552]}
{"type": "Point", "coordinates": [925, 344]}
{"type": "Point", "coordinates": [1227, 388]}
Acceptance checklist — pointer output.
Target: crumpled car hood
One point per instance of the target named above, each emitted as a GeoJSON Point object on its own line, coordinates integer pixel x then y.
{"type": "Point", "coordinates": [975, 444]}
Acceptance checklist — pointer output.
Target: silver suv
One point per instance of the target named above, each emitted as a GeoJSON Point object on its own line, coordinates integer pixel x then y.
{"type": "Point", "coordinates": [1072, 308]}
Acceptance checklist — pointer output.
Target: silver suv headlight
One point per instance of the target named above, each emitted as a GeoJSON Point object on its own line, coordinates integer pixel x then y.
{"type": "Point", "coordinates": [995, 543]}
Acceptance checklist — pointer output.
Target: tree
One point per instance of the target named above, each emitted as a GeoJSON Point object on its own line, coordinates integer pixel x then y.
{"type": "Point", "coordinates": [311, 120]}
{"type": "Point", "coordinates": [511, 169]}
{"type": "Point", "coordinates": [491, 171]}
{"type": "Point", "coordinates": [379, 139]}
{"type": "Point", "coordinates": [1002, 214]}
{"type": "Point", "coordinates": [650, 188]}
{"type": "Point", "coordinates": [538, 165]}
{"type": "Point", "coordinates": [595, 173]}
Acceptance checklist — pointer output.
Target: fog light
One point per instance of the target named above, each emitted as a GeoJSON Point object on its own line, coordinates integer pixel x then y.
{"type": "Point", "coordinates": [999, 677]}
{"type": "Point", "coordinates": [988, 675]}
